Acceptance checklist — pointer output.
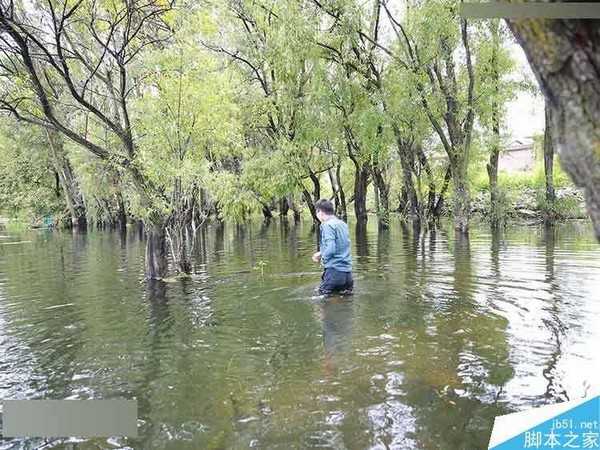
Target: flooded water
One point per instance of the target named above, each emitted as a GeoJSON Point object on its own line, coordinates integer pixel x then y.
{"type": "Point", "coordinates": [440, 337]}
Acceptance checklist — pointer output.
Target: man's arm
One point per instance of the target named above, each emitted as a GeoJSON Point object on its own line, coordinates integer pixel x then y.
{"type": "Point", "coordinates": [327, 243]}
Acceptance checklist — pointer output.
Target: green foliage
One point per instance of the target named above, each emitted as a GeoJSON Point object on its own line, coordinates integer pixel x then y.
{"type": "Point", "coordinates": [27, 182]}
{"type": "Point", "coordinates": [236, 202]}
{"type": "Point", "coordinates": [245, 100]}
{"type": "Point", "coordinates": [516, 181]}
{"type": "Point", "coordinates": [565, 207]}
{"type": "Point", "coordinates": [260, 267]}
{"type": "Point", "coordinates": [187, 118]}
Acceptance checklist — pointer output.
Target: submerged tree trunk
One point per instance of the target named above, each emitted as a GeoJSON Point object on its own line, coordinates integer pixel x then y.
{"type": "Point", "coordinates": [68, 181]}
{"type": "Point", "coordinates": [383, 197]}
{"type": "Point", "coordinates": [156, 262]}
{"type": "Point", "coordinates": [410, 205]}
{"type": "Point", "coordinates": [439, 204]}
{"type": "Point", "coordinates": [294, 208]}
{"type": "Point", "coordinates": [336, 193]}
{"type": "Point", "coordinates": [376, 196]}
{"type": "Point", "coordinates": [564, 57]}
{"type": "Point", "coordinates": [179, 231]}
{"type": "Point", "coordinates": [179, 237]}
{"type": "Point", "coordinates": [266, 211]}
{"type": "Point", "coordinates": [343, 206]}
{"type": "Point", "coordinates": [462, 204]}
{"type": "Point", "coordinates": [122, 214]}
{"type": "Point", "coordinates": [284, 207]}
{"type": "Point", "coordinates": [361, 183]}
{"type": "Point", "coordinates": [427, 211]}
{"type": "Point", "coordinates": [549, 159]}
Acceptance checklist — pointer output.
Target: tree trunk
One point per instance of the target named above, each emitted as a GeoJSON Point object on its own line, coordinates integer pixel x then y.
{"type": "Point", "coordinates": [68, 181]}
{"type": "Point", "coordinates": [492, 170]}
{"type": "Point", "coordinates": [461, 201]}
{"type": "Point", "coordinates": [361, 183]}
{"type": "Point", "coordinates": [122, 219]}
{"type": "Point", "coordinates": [266, 211]}
{"type": "Point", "coordinates": [178, 230]}
{"type": "Point", "coordinates": [311, 205]}
{"type": "Point", "coordinates": [316, 194]}
{"type": "Point", "coordinates": [405, 152]}
{"type": "Point", "coordinates": [383, 195]}
{"type": "Point", "coordinates": [294, 208]}
{"type": "Point", "coordinates": [335, 189]}
{"type": "Point", "coordinates": [376, 196]}
{"type": "Point", "coordinates": [492, 166]}
{"type": "Point", "coordinates": [343, 206]}
{"type": "Point", "coordinates": [284, 207]}
{"type": "Point", "coordinates": [564, 57]}
{"type": "Point", "coordinates": [549, 159]}
{"type": "Point", "coordinates": [156, 262]}
{"type": "Point", "coordinates": [439, 205]}
{"type": "Point", "coordinates": [56, 184]}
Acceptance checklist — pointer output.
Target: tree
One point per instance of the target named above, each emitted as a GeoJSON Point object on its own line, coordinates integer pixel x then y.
{"type": "Point", "coordinates": [86, 52]}
{"type": "Point", "coordinates": [447, 92]}
{"type": "Point", "coordinates": [29, 185]}
{"type": "Point", "coordinates": [67, 179]}
{"type": "Point", "coordinates": [188, 125]}
{"type": "Point", "coordinates": [494, 91]}
{"type": "Point", "coordinates": [563, 56]}
{"type": "Point", "coordinates": [269, 45]}
{"type": "Point", "coordinates": [549, 158]}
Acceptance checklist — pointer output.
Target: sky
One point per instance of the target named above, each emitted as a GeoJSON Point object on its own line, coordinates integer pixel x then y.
{"type": "Point", "coordinates": [525, 114]}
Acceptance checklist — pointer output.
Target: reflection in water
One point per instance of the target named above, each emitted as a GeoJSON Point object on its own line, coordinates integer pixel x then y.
{"type": "Point", "coordinates": [336, 316]}
{"type": "Point", "coordinates": [442, 334]}
{"type": "Point", "coordinates": [362, 241]}
{"type": "Point", "coordinates": [554, 390]}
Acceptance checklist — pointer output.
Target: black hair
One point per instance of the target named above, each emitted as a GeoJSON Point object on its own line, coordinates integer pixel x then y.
{"type": "Point", "coordinates": [326, 206]}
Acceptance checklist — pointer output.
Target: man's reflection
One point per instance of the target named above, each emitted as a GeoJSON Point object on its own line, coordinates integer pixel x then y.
{"type": "Point", "coordinates": [336, 315]}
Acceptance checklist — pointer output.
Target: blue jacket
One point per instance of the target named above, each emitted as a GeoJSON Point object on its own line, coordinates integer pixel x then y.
{"type": "Point", "coordinates": [335, 245]}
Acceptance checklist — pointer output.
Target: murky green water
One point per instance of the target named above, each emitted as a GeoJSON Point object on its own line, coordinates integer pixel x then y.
{"type": "Point", "coordinates": [440, 336]}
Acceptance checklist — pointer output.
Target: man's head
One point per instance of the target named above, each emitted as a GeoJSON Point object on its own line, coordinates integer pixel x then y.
{"type": "Point", "coordinates": [324, 209]}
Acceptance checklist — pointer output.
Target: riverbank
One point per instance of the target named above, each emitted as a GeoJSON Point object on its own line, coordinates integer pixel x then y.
{"type": "Point", "coordinates": [530, 204]}
{"type": "Point", "coordinates": [527, 204]}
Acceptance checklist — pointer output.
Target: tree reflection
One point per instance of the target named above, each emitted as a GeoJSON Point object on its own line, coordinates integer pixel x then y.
{"type": "Point", "coordinates": [362, 241]}
{"type": "Point", "coordinates": [554, 390]}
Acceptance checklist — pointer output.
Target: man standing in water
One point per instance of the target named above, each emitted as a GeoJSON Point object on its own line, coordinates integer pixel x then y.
{"type": "Point", "coordinates": [334, 253]}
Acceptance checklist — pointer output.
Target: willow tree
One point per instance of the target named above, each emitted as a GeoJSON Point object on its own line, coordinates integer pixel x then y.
{"type": "Point", "coordinates": [187, 123]}
{"type": "Point", "coordinates": [270, 44]}
{"type": "Point", "coordinates": [348, 41]}
{"type": "Point", "coordinates": [16, 93]}
{"type": "Point", "coordinates": [93, 53]}
{"type": "Point", "coordinates": [564, 57]}
{"type": "Point", "coordinates": [495, 90]}
{"type": "Point", "coordinates": [28, 184]}
{"type": "Point", "coordinates": [86, 50]}
{"type": "Point", "coordinates": [436, 46]}
{"type": "Point", "coordinates": [355, 119]}
{"type": "Point", "coordinates": [392, 76]}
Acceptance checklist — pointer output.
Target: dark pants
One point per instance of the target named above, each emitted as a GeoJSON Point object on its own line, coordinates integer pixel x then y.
{"type": "Point", "coordinates": [335, 281]}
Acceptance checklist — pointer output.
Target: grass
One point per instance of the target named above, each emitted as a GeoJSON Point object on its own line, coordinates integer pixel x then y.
{"type": "Point", "coordinates": [518, 181]}
{"type": "Point", "coordinates": [528, 188]}
{"type": "Point", "coordinates": [15, 226]}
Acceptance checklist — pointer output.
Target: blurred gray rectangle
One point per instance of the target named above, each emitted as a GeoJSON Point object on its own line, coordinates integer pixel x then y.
{"type": "Point", "coordinates": [531, 10]}
{"type": "Point", "coordinates": [69, 418]}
